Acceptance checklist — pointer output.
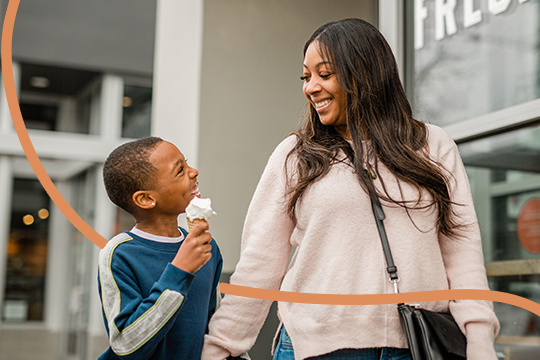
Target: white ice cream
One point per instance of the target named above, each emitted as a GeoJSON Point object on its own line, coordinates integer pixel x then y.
{"type": "Point", "coordinates": [200, 209]}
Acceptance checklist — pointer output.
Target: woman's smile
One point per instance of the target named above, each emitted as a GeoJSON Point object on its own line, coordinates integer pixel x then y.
{"type": "Point", "coordinates": [321, 105]}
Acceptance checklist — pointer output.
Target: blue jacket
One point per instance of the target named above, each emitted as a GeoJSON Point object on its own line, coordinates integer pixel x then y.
{"type": "Point", "coordinates": [152, 309]}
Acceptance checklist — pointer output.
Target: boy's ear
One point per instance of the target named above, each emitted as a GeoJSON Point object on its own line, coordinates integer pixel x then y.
{"type": "Point", "coordinates": [144, 200]}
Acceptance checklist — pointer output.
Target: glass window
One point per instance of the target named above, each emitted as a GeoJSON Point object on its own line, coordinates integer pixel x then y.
{"type": "Point", "coordinates": [27, 253]}
{"type": "Point", "coordinates": [59, 99]}
{"type": "Point", "coordinates": [39, 116]}
{"type": "Point", "coordinates": [504, 172]}
{"type": "Point", "coordinates": [474, 58]}
{"type": "Point", "coordinates": [136, 118]}
{"type": "Point", "coordinates": [471, 58]}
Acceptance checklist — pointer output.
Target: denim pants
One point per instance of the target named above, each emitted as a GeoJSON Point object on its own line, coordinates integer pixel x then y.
{"type": "Point", "coordinates": [284, 351]}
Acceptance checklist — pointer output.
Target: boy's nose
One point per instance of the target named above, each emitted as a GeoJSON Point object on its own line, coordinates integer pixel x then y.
{"type": "Point", "coordinates": [194, 172]}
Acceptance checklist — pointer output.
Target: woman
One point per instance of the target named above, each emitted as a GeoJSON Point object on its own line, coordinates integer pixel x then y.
{"type": "Point", "coordinates": [315, 194]}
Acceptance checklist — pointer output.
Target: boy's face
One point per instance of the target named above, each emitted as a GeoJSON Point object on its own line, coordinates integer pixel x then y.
{"type": "Point", "coordinates": [176, 181]}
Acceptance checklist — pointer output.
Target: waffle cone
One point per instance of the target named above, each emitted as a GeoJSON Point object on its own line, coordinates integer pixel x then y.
{"type": "Point", "coordinates": [193, 223]}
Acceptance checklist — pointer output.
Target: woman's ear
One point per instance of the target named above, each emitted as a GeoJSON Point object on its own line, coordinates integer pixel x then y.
{"type": "Point", "coordinates": [144, 200]}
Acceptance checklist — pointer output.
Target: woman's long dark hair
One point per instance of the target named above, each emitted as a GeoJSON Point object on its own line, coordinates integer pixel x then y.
{"type": "Point", "coordinates": [378, 110]}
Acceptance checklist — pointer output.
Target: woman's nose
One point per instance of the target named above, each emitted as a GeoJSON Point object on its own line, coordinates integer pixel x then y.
{"type": "Point", "coordinates": [313, 86]}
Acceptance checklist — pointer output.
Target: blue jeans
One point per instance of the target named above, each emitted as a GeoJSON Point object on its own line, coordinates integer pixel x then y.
{"type": "Point", "coordinates": [284, 351]}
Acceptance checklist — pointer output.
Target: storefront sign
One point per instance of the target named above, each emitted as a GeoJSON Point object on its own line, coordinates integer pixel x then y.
{"type": "Point", "coordinates": [528, 226]}
{"type": "Point", "coordinates": [445, 16]}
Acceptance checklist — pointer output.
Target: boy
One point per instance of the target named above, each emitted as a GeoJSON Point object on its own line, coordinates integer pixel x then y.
{"type": "Point", "coordinates": [157, 283]}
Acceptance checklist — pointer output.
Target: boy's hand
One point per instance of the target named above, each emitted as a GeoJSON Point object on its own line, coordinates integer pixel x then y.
{"type": "Point", "coordinates": [195, 250]}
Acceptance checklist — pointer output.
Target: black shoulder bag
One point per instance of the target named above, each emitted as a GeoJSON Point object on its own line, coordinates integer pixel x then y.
{"type": "Point", "coordinates": [431, 335]}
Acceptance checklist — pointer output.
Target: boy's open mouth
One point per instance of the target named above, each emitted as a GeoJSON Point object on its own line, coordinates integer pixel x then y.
{"type": "Point", "coordinates": [195, 190]}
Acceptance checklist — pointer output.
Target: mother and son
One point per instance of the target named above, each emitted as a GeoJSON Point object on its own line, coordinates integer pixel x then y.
{"type": "Point", "coordinates": [359, 141]}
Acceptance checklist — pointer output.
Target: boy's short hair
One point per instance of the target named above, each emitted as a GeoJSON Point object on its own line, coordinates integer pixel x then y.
{"type": "Point", "coordinates": [127, 170]}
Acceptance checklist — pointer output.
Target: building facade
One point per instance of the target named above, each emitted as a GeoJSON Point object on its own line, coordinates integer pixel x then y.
{"type": "Point", "coordinates": [221, 81]}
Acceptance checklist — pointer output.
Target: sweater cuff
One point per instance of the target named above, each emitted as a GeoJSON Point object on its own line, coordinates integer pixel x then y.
{"type": "Point", "coordinates": [213, 351]}
{"type": "Point", "coordinates": [176, 279]}
{"type": "Point", "coordinates": [480, 342]}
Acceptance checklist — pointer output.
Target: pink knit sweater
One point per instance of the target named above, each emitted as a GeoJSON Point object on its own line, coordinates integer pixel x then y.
{"type": "Point", "coordinates": [339, 252]}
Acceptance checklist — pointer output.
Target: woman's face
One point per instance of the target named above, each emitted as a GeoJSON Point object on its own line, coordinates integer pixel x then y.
{"type": "Point", "coordinates": [323, 91]}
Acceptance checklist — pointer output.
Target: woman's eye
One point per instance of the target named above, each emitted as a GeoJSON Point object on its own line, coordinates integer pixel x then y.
{"type": "Point", "coordinates": [304, 77]}
{"type": "Point", "coordinates": [324, 76]}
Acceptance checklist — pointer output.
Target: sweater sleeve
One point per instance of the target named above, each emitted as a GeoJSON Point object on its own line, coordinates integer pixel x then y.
{"type": "Point", "coordinates": [464, 263]}
{"type": "Point", "coordinates": [263, 260]}
{"type": "Point", "coordinates": [136, 324]}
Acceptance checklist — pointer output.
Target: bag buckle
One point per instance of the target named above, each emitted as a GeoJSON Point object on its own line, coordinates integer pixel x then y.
{"type": "Point", "coordinates": [394, 282]}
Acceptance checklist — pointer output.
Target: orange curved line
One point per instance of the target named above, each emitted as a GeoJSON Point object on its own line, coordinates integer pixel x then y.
{"type": "Point", "coordinates": [373, 299]}
{"type": "Point", "coordinates": [20, 128]}
{"type": "Point", "coordinates": [274, 295]}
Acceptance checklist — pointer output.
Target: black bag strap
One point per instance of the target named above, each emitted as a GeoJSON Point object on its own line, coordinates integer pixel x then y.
{"type": "Point", "coordinates": [379, 215]}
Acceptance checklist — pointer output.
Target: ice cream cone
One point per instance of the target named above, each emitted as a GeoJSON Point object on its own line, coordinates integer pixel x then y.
{"type": "Point", "coordinates": [197, 211]}
{"type": "Point", "coordinates": [193, 223]}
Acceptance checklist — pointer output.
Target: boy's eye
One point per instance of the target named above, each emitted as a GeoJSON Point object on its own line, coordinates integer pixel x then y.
{"type": "Point", "coordinates": [181, 169]}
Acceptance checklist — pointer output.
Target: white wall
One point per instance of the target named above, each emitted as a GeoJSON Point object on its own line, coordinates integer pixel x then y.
{"type": "Point", "coordinates": [251, 95]}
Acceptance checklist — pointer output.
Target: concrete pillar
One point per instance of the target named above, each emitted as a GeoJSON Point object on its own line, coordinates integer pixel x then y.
{"type": "Point", "coordinates": [177, 74]}
{"type": "Point", "coordinates": [110, 110]}
{"type": "Point", "coordinates": [60, 234]}
{"type": "Point", "coordinates": [67, 115]}
{"type": "Point", "coordinates": [6, 124]}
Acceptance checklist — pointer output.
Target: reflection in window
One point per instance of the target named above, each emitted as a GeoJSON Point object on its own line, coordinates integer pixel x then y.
{"type": "Point", "coordinates": [504, 171]}
{"type": "Point", "coordinates": [519, 336]}
{"type": "Point", "coordinates": [27, 253]}
{"type": "Point", "coordinates": [464, 69]}
{"type": "Point", "coordinates": [136, 118]}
